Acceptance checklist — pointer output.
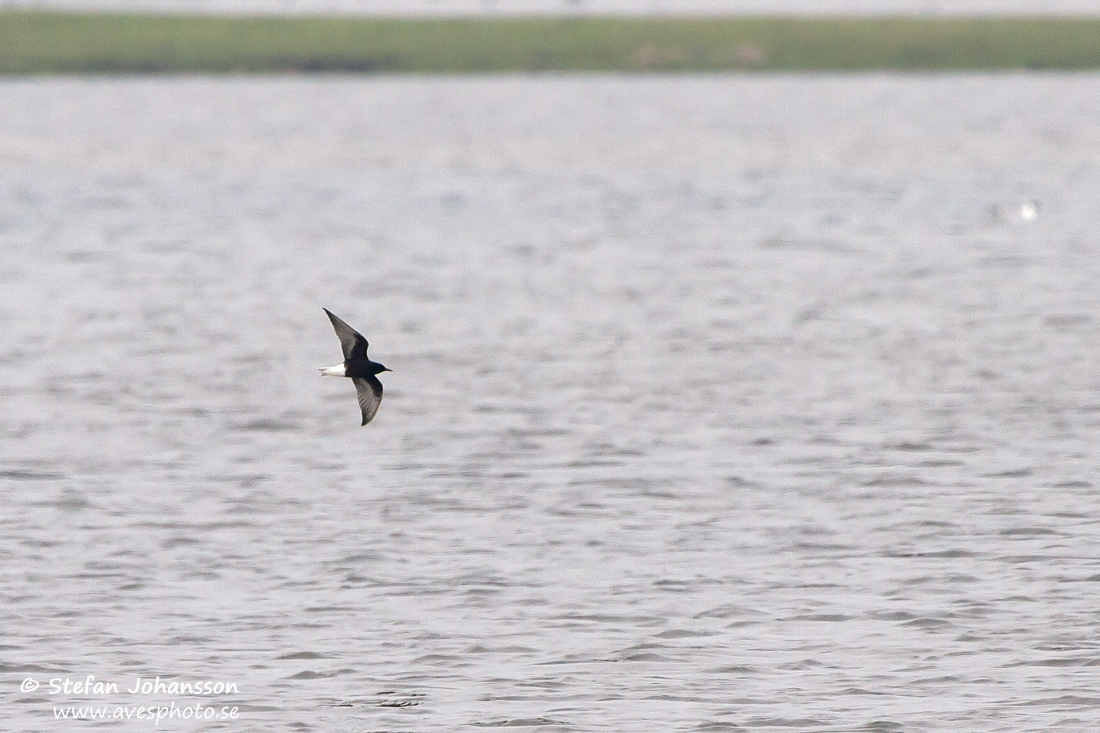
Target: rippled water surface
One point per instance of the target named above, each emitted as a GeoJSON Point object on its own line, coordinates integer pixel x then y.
{"type": "Point", "coordinates": [720, 403]}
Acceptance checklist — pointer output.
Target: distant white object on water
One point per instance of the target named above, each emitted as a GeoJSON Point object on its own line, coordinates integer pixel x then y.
{"type": "Point", "coordinates": [1029, 210]}
{"type": "Point", "coordinates": [1025, 211]}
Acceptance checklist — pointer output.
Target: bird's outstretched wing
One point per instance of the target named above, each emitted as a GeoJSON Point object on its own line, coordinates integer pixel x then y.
{"type": "Point", "coordinates": [351, 341]}
{"type": "Point", "coordinates": [370, 396]}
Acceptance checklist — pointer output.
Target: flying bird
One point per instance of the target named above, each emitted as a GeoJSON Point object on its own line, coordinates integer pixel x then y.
{"type": "Point", "coordinates": [358, 367]}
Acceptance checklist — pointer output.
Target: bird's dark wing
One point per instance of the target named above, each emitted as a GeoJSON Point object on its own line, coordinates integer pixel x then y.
{"type": "Point", "coordinates": [351, 341]}
{"type": "Point", "coordinates": [370, 396]}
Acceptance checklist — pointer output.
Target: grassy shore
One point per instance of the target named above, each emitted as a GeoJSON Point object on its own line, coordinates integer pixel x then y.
{"type": "Point", "coordinates": [46, 43]}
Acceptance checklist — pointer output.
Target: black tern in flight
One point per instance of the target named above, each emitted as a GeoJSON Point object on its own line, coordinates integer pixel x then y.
{"type": "Point", "coordinates": [358, 367]}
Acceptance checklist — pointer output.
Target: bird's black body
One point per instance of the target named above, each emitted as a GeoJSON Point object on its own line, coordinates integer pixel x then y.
{"type": "Point", "coordinates": [360, 369]}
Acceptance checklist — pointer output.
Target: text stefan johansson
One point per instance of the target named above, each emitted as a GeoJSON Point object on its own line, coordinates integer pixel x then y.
{"type": "Point", "coordinates": [91, 686]}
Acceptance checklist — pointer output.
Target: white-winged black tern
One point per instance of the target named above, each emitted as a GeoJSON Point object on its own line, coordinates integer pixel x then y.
{"type": "Point", "coordinates": [358, 367]}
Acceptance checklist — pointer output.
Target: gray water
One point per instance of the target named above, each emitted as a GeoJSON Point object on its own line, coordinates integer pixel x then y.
{"type": "Point", "coordinates": [717, 403]}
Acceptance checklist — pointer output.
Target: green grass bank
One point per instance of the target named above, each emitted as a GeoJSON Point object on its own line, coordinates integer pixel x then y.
{"type": "Point", "coordinates": [74, 43]}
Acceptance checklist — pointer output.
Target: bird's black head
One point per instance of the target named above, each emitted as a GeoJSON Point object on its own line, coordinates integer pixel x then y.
{"type": "Point", "coordinates": [378, 368]}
